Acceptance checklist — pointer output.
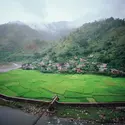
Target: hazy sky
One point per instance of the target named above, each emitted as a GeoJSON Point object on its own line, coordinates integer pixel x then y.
{"type": "Point", "coordinates": [60, 10]}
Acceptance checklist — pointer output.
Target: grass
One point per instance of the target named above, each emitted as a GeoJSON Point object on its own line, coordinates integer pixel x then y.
{"type": "Point", "coordinates": [91, 113]}
{"type": "Point", "coordinates": [69, 88]}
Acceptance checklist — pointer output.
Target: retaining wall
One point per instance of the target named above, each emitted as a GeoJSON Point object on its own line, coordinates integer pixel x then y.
{"type": "Point", "coordinates": [86, 104]}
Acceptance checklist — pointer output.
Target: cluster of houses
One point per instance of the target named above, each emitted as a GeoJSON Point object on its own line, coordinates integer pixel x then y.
{"type": "Point", "coordinates": [77, 65]}
{"type": "Point", "coordinates": [71, 65]}
{"type": "Point", "coordinates": [74, 65]}
{"type": "Point", "coordinates": [28, 66]}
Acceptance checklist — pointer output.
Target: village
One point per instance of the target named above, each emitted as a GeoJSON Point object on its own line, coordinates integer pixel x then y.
{"type": "Point", "coordinates": [74, 65]}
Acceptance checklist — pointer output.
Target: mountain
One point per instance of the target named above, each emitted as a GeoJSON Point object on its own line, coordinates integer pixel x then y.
{"type": "Point", "coordinates": [104, 40]}
{"type": "Point", "coordinates": [15, 31]}
{"type": "Point", "coordinates": [49, 31]}
{"type": "Point", "coordinates": [19, 40]}
{"type": "Point", "coordinates": [55, 30]}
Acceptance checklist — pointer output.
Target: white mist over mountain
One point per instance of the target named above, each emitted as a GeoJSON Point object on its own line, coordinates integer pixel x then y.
{"type": "Point", "coordinates": [48, 11]}
{"type": "Point", "coordinates": [55, 16]}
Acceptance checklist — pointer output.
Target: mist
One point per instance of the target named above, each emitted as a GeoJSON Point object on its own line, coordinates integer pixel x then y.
{"type": "Point", "coordinates": [44, 11]}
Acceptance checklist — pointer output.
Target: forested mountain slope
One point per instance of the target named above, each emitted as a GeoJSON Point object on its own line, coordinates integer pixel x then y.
{"type": "Point", "coordinates": [21, 41]}
{"type": "Point", "coordinates": [104, 40]}
{"type": "Point", "coordinates": [18, 41]}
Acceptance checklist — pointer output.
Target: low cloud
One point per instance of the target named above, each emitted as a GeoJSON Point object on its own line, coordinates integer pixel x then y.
{"type": "Point", "coordinates": [36, 7]}
{"type": "Point", "coordinates": [60, 10]}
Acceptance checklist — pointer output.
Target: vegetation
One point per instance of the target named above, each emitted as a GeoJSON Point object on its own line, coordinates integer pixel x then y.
{"type": "Point", "coordinates": [86, 50]}
{"type": "Point", "coordinates": [69, 67]}
{"type": "Point", "coordinates": [98, 114]}
{"type": "Point", "coordinates": [76, 65]}
{"type": "Point", "coordinates": [69, 88]}
{"type": "Point", "coordinates": [20, 43]}
{"type": "Point", "coordinates": [104, 40]}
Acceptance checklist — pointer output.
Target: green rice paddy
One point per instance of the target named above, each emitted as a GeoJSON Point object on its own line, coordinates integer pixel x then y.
{"type": "Point", "coordinates": [69, 88]}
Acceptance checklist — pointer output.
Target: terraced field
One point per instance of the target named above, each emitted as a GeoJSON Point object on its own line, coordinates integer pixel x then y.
{"type": "Point", "coordinates": [69, 88]}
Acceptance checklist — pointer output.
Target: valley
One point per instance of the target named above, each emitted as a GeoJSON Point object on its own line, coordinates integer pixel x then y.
{"type": "Point", "coordinates": [81, 65]}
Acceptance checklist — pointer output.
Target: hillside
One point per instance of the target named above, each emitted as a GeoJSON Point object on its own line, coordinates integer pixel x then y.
{"type": "Point", "coordinates": [103, 41]}
{"type": "Point", "coordinates": [55, 30]}
{"type": "Point", "coordinates": [19, 41]}
{"type": "Point", "coordinates": [99, 42]}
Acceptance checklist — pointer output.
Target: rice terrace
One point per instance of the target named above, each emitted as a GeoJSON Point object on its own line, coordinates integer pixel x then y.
{"type": "Point", "coordinates": [69, 87]}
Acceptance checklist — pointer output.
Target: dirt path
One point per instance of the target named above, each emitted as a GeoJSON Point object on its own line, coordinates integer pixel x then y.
{"type": "Point", "coordinates": [9, 66]}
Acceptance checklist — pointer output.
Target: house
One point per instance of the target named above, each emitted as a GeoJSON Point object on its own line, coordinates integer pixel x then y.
{"type": "Point", "coordinates": [28, 66]}
{"type": "Point", "coordinates": [75, 57]}
{"type": "Point", "coordinates": [42, 63]}
{"type": "Point", "coordinates": [102, 67]}
{"type": "Point", "coordinates": [115, 71]}
{"type": "Point", "coordinates": [94, 63]}
{"type": "Point", "coordinates": [90, 56]}
{"type": "Point", "coordinates": [82, 60]}
{"type": "Point", "coordinates": [78, 70]}
{"type": "Point", "coordinates": [67, 65]}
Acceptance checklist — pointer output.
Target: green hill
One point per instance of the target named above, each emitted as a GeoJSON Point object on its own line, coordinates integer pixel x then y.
{"type": "Point", "coordinates": [97, 42]}
{"type": "Point", "coordinates": [104, 40]}
{"type": "Point", "coordinates": [19, 42]}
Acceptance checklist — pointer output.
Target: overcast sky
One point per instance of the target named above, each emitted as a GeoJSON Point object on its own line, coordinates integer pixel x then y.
{"type": "Point", "coordinates": [60, 10]}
